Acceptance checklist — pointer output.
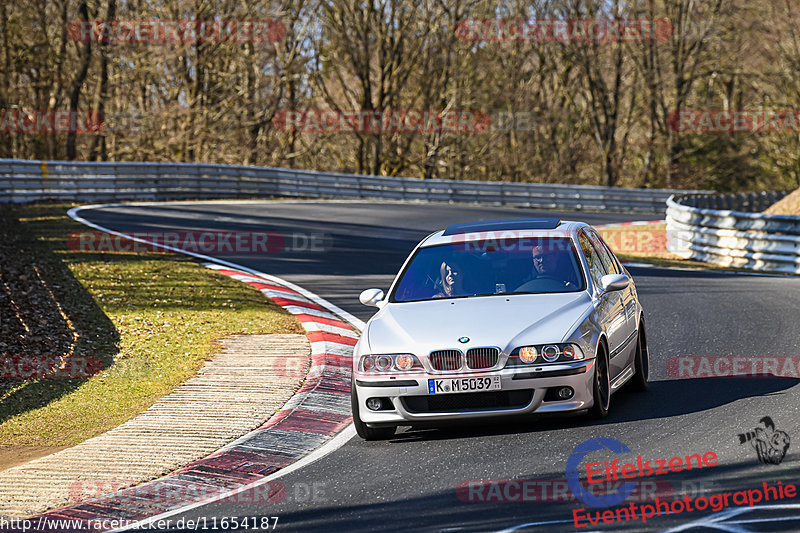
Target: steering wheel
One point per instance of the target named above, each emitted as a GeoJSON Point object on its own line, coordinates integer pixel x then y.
{"type": "Point", "coordinates": [542, 284]}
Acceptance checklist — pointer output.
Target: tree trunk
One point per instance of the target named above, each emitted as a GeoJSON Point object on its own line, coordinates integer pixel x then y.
{"type": "Point", "coordinates": [77, 85]}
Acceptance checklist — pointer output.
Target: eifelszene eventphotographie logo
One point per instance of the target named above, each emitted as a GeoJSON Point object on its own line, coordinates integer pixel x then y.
{"type": "Point", "coordinates": [585, 494]}
{"type": "Point", "coordinates": [608, 481]}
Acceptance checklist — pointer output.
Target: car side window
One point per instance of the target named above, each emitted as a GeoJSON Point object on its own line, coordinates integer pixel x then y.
{"type": "Point", "coordinates": [596, 267]}
{"type": "Point", "coordinates": [613, 258]}
{"type": "Point", "coordinates": [610, 265]}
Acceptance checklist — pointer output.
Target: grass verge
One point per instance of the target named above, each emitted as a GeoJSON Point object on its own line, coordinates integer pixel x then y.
{"type": "Point", "coordinates": [151, 319]}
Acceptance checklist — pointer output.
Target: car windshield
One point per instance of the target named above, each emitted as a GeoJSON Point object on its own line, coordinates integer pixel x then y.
{"type": "Point", "coordinates": [490, 267]}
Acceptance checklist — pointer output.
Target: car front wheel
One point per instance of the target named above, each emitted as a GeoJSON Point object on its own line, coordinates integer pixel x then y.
{"type": "Point", "coordinates": [363, 430]}
{"type": "Point", "coordinates": [601, 393]}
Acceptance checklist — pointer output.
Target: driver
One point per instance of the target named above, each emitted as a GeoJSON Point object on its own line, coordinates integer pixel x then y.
{"type": "Point", "coordinates": [547, 264]}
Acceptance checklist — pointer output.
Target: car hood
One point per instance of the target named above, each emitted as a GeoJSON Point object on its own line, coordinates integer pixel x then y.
{"type": "Point", "coordinates": [505, 321]}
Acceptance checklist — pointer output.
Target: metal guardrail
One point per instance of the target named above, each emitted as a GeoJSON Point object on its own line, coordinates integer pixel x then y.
{"type": "Point", "coordinates": [742, 239]}
{"type": "Point", "coordinates": [27, 181]}
{"type": "Point", "coordinates": [751, 202]}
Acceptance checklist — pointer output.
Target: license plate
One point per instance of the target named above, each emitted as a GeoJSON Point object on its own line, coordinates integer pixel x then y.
{"type": "Point", "coordinates": [451, 385]}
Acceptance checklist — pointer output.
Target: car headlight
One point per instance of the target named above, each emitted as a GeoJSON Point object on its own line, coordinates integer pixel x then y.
{"type": "Point", "coordinates": [569, 351]}
{"type": "Point", "coordinates": [367, 363]}
{"type": "Point", "coordinates": [550, 353]}
{"type": "Point", "coordinates": [545, 353]}
{"type": "Point", "coordinates": [384, 363]}
{"type": "Point", "coordinates": [404, 361]}
{"type": "Point", "coordinates": [528, 354]}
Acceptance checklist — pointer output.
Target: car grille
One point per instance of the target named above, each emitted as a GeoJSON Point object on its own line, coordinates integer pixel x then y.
{"type": "Point", "coordinates": [445, 359]}
{"type": "Point", "coordinates": [471, 401]}
{"type": "Point", "coordinates": [482, 357]}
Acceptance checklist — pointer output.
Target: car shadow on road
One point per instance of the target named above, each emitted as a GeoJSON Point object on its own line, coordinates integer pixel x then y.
{"type": "Point", "coordinates": [696, 395]}
{"type": "Point", "coordinates": [531, 503]}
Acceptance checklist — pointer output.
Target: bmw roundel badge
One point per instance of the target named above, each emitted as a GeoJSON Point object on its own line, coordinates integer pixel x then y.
{"type": "Point", "coordinates": [463, 340]}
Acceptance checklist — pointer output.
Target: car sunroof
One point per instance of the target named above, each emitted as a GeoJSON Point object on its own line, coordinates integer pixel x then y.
{"type": "Point", "coordinates": [503, 224]}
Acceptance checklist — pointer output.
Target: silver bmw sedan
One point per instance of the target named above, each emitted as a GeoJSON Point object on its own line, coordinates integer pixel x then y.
{"type": "Point", "coordinates": [498, 318]}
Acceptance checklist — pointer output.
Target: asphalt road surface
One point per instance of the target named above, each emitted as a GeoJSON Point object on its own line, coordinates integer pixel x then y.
{"type": "Point", "coordinates": [412, 481]}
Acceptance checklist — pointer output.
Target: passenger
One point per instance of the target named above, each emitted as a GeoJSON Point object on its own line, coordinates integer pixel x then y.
{"type": "Point", "coordinates": [452, 280]}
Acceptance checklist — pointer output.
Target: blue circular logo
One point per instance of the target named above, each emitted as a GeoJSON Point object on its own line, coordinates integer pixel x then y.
{"type": "Point", "coordinates": [573, 481]}
{"type": "Point", "coordinates": [463, 340]}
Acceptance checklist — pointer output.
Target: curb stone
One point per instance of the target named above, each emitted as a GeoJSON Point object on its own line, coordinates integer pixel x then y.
{"type": "Point", "coordinates": [319, 410]}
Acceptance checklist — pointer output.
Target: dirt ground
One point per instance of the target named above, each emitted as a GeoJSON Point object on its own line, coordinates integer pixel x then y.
{"type": "Point", "coordinates": [17, 455]}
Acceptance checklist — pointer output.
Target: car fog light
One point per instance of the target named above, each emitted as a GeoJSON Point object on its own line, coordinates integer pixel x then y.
{"type": "Point", "coordinates": [374, 404]}
{"type": "Point", "coordinates": [527, 354]}
{"type": "Point", "coordinates": [550, 352]}
{"type": "Point", "coordinates": [565, 393]}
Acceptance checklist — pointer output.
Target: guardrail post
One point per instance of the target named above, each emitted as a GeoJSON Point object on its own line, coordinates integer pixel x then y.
{"type": "Point", "coordinates": [762, 197]}
{"type": "Point", "coordinates": [771, 198]}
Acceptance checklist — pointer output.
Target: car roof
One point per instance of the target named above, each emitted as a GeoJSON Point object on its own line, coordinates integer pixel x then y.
{"type": "Point", "coordinates": [502, 225]}
{"type": "Point", "coordinates": [503, 228]}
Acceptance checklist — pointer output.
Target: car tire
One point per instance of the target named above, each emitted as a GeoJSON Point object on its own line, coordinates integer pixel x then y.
{"type": "Point", "coordinates": [601, 389]}
{"type": "Point", "coordinates": [363, 430]}
{"type": "Point", "coordinates": [638, 382]}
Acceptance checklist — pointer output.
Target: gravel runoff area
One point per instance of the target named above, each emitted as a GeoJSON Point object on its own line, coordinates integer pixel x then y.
{"type": "Point", "coordinates": [236, 391]}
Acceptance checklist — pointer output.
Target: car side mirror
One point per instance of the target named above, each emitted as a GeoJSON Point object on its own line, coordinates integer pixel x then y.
{"type": "Point", "coordinates": [373, 297]}
{"type": "Point", "coordinates": [614, 282]}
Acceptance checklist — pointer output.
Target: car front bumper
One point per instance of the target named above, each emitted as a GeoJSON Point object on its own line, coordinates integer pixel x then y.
{"type": "Point", "coordinates": [523, 390]}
